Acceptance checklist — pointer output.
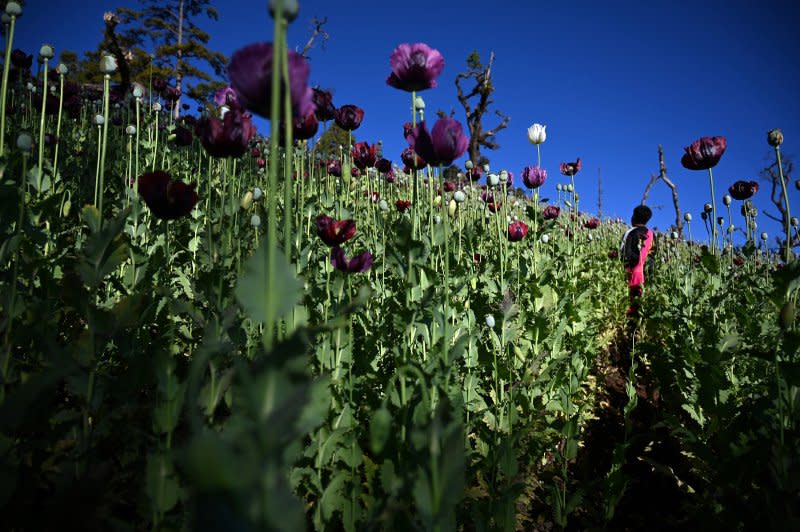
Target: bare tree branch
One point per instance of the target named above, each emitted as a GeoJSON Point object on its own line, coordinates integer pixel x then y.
{"type": "Point", "coordinates": [662, 175]}
{"type": "Point", "coordinates": [317, 31]}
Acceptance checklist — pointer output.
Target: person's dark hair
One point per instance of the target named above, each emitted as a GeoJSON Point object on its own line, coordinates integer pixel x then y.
{"type": "Point", "coordinates": [641, 215]}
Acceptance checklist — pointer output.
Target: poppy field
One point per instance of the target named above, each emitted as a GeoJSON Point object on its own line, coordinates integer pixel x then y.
{"type": "Point", "coordinates": [207, 327]}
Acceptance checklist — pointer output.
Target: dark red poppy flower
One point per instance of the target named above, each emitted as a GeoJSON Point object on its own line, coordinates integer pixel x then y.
{"type": "Point", "coordinates": [183, 137]}
{"type": "Point", "coordinates": [159, 84]}
{"type": "Point", "coordinates": [591, 223]}
{"type": "Point", "coordinates": [171, 94]}
{"type": "Point", "coordinates": [445, 143]}
{"type": "Point", "coordinates": [229, 137]}
{"type": "Point", "coordinates": [551, 212]}
{"type": "Point", "coordinates": [166, 199]}
{"type": "Point", "coordinates": [571, 169]}
{"type": "Point", "coordinates": [364, 155]}
{"type": "Point", "coordinates": [374, 196]}
{"type": "Point", "coordinates": [477, 258]}
{"type": "Point", "coordinates": [384, 166]}
{"type": "Point", "coordinates": [487, 197]}
{"type": "Point", "coordinates": [390, 177]}
{"type": "Point", "coordinates": [738, 261]}
{"type": "Point", "coordinates": [335, 232]}
{"type": "Point", "coordinates": [357, 264]}
{"type": "Point", "coordinates": [510, 178]}
{"type": "Point", "coordinates": [534, 176]}
{"type": "Point", "coordinates": [517, 231]}
{"type": "Point", "coordinates": [348, 117]}
{"type": "Point", "coordinates": [305, 128]}
{"type": "Point", "coordinates": [449, 186]}
{"type": "Point", "coordinates": [323, 103]}
{"type": "Point", "coordinates": [402, 205]}
{"type": "Point", "coordinates": [494, 207]}
{"type": "Point", "coordinates": [412, 160]}
{"type": "Point", "coordinates": [261, 163]}
{"type": "Point", "coordinates": [355, 172]}
{"type": "Point", "coordinates": [415, 67]}
{"type": "Point", "coordinates": [334, 168]}
{"type": "Point", "coordinates": [475, 173]}
{"type": "Point", "coordinates": [742, 190]}
{"type": "Point", "coordinates": [407, 128]}
{"type": "Point", "coordinates": [250, 72]}
{"type": "Point", "coordinates": [613, 254]}
{"type": "Point", "coordinates": [704, 153]}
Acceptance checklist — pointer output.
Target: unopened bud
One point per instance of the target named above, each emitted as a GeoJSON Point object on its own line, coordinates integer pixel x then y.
{"type": "Point", "coordinates": [490, 321]}
{"type": "Point", "coordinates": [793, 220]}
{"type": "Point", "coordinates": [247, 200]}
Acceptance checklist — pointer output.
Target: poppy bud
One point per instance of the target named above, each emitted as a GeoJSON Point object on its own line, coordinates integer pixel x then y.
{"type": "Point", "coordinates": [437, 219]}
{"type": "Point", "coordinates": [545, 238]}
{"type": "Point", "coordinates": [687, 217]}
{"type": "Point", "coordinates": [247, 200]}
{"type": "Point", "coordinates": [704, 215]}
{"type": "Point", "coordinates": [726, 199]}
{"type": "Point", "coordinates": [67, 206]}
{"type": "Point", "coordinates": [451, 208]}
{"type": "Point", "coordinates": [731, 228]}
{"type": "Point", "coordinates": [720, 221]}
{"type": "Point", "coordinates": [568, 188]}
{"type": "Point", "coordinates": [787, 315]}
{"type": "Point", "coordinates": [490, 321]}
{"type": "Point", "coordinates": [437, 201]}
{"type": "Point", "coordinates": [559, 187]}
{"type": "Point", "coordinates": [775, 137]}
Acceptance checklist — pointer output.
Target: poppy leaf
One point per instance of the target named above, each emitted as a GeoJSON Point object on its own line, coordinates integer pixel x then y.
{"type": "Point", "coordinates": [251, 290]}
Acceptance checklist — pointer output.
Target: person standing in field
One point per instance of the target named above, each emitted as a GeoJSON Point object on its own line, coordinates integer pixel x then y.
{"type": "Point", "coordinates": [636, 245]}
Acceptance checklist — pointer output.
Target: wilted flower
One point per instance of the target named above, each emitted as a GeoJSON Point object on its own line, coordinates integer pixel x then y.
{"type": "Point", "coordinates": [415, 67]}
{"type": "Point", "coordinates": [704, 153]}
{"type": "Point", "coordinates": [445, 143]}
{"type": "Point", "coordinates": [359, 263]}
{"type": "Point", "coordinates": [229, 137]}
{"type": "Point", "coordinates": [250, 72]}
{"type": "Point", "coordinates": [517, 231]}
{"type": "Point", "coordinates": [402, 205]}
{"type": "Point", "coordinates": [551, 212]}
{"type": "Point", "coordinates": [534, 176]}
{"type": "Point", "coordinates": [167, 199]}
{"type": "Point", "coordinates": [742, 190]}
{"type": "Point", "coordinates": [775, 137]}
{"type": "Point", "coordinates": [571, 169]}
{"type": "Point", "coordinates": [348, 117]}
{"type": "Point", "coordinates": [364, 155]}
{"type": "Point", "coordinates": [592, 223]}
{"type": "Point", "coordinates": [537, 133]}
{"type": "Point", "coordinates": [335, 232]}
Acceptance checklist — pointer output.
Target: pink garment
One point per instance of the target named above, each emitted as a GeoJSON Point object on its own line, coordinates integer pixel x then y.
{"type": "Point", "coordinates": [636, 277]}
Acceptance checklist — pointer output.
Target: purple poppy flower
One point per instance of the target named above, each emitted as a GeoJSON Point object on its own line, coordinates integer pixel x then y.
{"type": "Point", "coordinates": [517, 231]}
{"type": "Point", "coordinates": [167, 199]}
{"type": "Point", "coordinates": [571, 169]}
{"type": "Point", "coordinates": [534, 176]}
{"type": "Point", "coordinates": [445, 143]}
{"type": "Point", "coordinates": [551, 212]}
{"type": "Point", "coordinates": [742, 190]}
{"type": "Point", "coordinates": [358, 264]}
{"type": "Point", "coordinates": [415, 67]}
{"type": "Point", "coordinates": [229, 137]}
{"type": "Point", "coordinates": [171, 94]}
{"type": "Point", "coordinates": [592, 223]}
{"type": "Point", "coordinates": [226, 96]}
{"type": "Point", "coordinates": [335, 232]}
{"type": "Point", "coordinates": [250, 72]}
{"type": "Point", "coordinates": [704, 153]}
{"type": "Point", "coordinates": [305, 128]}
{"type": "Point", "coordinates": [384, 166]}
{"type": "Point", "coordinates": [323, 102]}
{"type": "Point", "coordinates": [348, 117]}
{"type": "Point", "coordinates": [183, 137]}
{"type": "Point", "coordinates": [159, 84]}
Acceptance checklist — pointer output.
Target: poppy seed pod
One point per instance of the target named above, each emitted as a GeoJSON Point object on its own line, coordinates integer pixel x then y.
{"type": "Point", "coordinates": [419, 103]}
{"type": "Point", "coordinates": [687, 217]}
{"type": "Point", "coordinates": [674, 235]}
{"type": "Point", "coordinates": [726, 199]}
{"type": "Point", "coordinates": [459, 196]}
{"type": "Point", "coordinates": [108, 64]}
{"type": "Point", "coordinates": [383, 205]}
{"type": "Point", "coordinates": [255, 220]}
{"type": "Point", "coordinates": [490, 321]}
{"type": "Point", "coordinates": [24, 141]}
{"type": "Point", "coordinates": [130, 130]}
{"type": "Point", "coordinates": [156, 107]}
{"type": "Point", "coordinates": [793, 220]}
{"type": "Point", "coordinates": [775, 137]}
{"type": "Point", "coordinates": [451, 208]}
{"type": "Point", "coordinates": [46, 52]}
{"type": "Point", "coordinates": [492, 180]}
{"type": "Point", "coordinates": [486, 168]}
{"type": "Point", "coordinates": [731, 229]}
{"type": "Point", "coordinates": [764, 236]}
{"type": "Point", "coordinates": [559, 187]}
{"type": "Point", "coordinates": [98, 120]}
{"type": "Point", "coordinates": [469, 165]}
{"type": "Point", "coordinates": [13, 9]}
{"type": "Point", "coordinates": [257, 193]}
{"type": "Point", "coordinates": [289, 8]}
{"type": "Point", "coordinates": [545, 238]}
{"type": "Point", "coordinates": [62, 69]}
{"type": "Point", "coordinates": [707, 208]}
{"type": "Point", "coordinates": [138, 90]}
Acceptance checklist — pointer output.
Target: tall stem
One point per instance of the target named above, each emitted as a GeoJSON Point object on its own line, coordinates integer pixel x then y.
{"type": "Point", "coordinates": [713, 212]}
{"type": "Point", "coordinates": [4, 89]}
{"type": "Point", "coordinates": [39, 169]}
{"type": "Point", "coordinates": [58, 123]}
{"type": "Point", "coordinates": [786, 203]}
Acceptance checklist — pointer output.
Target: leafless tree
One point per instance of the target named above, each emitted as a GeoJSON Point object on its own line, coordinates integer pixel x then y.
{"type": "Point", "coordinates": [662, 175]}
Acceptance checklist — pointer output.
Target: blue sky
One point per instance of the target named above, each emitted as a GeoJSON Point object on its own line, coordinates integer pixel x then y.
{"type": "Point", "coordinates": [611, 80]}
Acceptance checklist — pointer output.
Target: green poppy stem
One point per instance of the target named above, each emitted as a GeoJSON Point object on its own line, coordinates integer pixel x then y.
{"type": "Point", "coordinates": [4, 89]}
{"type": "Point", "coordinates": [713, 212]}
{"type": "Point", "coordinates": [788, 216]}
{"type": "Point", "coordinates": [39, 169]}
{"type": "Point", "coordinates": [58, 123]}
